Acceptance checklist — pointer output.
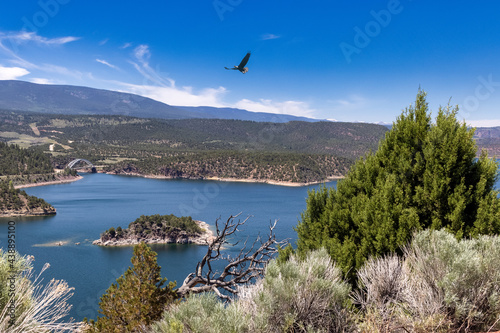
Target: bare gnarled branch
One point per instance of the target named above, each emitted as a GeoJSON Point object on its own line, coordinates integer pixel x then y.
{"type": "Point", "coordinates": [249, 264]}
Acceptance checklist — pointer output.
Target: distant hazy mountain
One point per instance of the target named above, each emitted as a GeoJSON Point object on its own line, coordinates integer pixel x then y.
{"type": "Point", "coordinates": [64, 99]}
{"type": "Point", "coordinates": [240, 114]}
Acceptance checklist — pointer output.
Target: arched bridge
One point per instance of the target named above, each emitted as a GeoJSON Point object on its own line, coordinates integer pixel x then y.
{"type": "Point", "coordinates": [88, 164]}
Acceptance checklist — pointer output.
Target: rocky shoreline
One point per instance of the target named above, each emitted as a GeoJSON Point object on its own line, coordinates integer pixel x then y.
{"type": "Point", "coordinates": [241, 180]}
{"type": "Point", "coordinates": [59, 181]}
{"type": "Point", "coordinates": [29, 212]}
{"type": "Point", "coordinates": [180, 237]}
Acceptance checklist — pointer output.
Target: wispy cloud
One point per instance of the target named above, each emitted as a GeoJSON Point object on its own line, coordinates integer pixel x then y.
{"type": "Point", "coordinates": [351, 102]}
{"type": "Point", "coordinates": [269, 36]}
{"type": "Point", "coordinates": [141, 64]}
{"type": "Point", "coordinates": [179, 96]}
{"type": "Point", "coordinates": [11, 41]}
{"type": "Point", "coordinates": [12, 73]}
{"type": "Point", "coordinates": [104, 62]}
{"type": "Point", "coordinates": [126, 46]}
{"type": "Point", "coordinates": [64, 71]}
{"type": "Point", "coordinates": [296, 108]}
{"type": "Point", "coordinates": [103, 42]}
{"type": "Point", "coordinates": [160, 87]}
{"type": "Point", "coordinates": [24, 36]}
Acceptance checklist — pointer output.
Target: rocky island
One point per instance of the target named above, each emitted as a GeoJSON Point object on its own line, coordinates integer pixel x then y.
{"type": "Point", "coordinates": [15, 202]}
{"type": "Point", "coordinates": [158, 229]}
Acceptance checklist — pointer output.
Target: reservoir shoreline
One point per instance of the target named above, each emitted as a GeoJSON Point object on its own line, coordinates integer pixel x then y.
{"type": "Point", "coordinates": [239, 180]}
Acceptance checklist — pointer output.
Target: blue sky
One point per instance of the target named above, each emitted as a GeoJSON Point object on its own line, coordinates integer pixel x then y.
{"type": "Point", "coordinates": [342, 60]}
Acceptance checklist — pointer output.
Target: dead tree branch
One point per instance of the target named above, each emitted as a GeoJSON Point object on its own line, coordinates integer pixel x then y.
{"type": "Point", "coordinates": [249, 264]}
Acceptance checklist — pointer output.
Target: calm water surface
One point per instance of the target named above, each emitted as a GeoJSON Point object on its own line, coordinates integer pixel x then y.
{"type": "Point", "coordinates": [97, 202]}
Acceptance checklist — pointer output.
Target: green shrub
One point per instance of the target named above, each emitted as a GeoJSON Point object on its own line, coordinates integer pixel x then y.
{"type": "Point", "coordinates": [138, 297]}
{"type": "Point", "coordinates": [294, 296]}
{"type": "Point", "coordinates": [203, 313]}
{"type": "Point", "coordinates": [423, 175]}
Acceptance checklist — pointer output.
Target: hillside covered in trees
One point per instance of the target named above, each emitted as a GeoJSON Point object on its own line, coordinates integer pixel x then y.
{"type": "Point", "coordinates": [253, 166]}
{"type": "Point", "coordinates": [298, 152]}
{"type": "Point", "coordinates": [15, 202]}
{"type": "Point", "coordinates": [15, 160]}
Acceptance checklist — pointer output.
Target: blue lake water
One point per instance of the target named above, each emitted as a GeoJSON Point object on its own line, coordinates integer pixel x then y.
{"type": "Point", "coordinates": [87, 207]}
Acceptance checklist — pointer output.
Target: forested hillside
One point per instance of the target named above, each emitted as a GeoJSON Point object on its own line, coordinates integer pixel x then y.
{"type": "Point", "coordinates": [280, 167]}
{"type": "Point", "coordinates": [14, 202]}
{"type": "Point", "coordinates": [17, 161]}
{"type": "Point", "coordinates": [349, 140]}
{"type": "Point", "coordinates": [196, 148]}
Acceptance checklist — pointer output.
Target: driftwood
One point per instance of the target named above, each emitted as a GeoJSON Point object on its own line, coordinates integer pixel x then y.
{"type": "Point", "coordinates": [249, 264]}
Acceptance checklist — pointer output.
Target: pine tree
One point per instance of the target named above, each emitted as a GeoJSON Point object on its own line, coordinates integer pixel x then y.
{"type": "Point", "coordinates": [138, 297]}
{"type": "Point", "coordinates": [423, 175]}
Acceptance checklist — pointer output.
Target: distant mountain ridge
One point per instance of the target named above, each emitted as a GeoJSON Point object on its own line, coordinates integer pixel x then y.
{"type": "Point", "coordinates": [76, 100]}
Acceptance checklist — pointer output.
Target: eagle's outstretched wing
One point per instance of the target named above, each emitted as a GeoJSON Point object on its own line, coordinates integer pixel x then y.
{"type": "Point", "coordinates": [244, 61]}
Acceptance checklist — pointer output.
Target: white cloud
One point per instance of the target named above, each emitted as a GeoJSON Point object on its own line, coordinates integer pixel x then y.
{"type": "Point", "coordinates": [104, 62]}
{"type": "Point", "coordinates": [175, 96]}
{"type": "Point", "coordinates": [41, 81]}
{"type": "Point", "coordinates": [142, 55]}
{"type": "Point", "coordinates": [483, 123]}
{"type": "Point", "coordinates": [269, 36]}
{"type": "Point", "coordinates": [186, 96]}
{"type": "Point", "coordinates": [295, 108]}
{"type": "Point", "coordinates": [126, 46]}
{"type": "Point", "coordinates": [12, 73]}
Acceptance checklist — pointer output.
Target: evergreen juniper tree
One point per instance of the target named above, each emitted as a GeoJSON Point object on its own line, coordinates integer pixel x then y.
{"type": "Point", "coordinates": [138, 297]}
{"type": "Point", "coordinates": [423, 175]}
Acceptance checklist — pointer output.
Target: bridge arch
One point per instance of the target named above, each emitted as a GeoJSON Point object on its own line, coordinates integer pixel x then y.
{"type": "Point", "coordinates": [71, 165]}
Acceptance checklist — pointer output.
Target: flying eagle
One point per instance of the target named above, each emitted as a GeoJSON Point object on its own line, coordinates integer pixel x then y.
{"type": "Point", "coordinates": [241, 67]}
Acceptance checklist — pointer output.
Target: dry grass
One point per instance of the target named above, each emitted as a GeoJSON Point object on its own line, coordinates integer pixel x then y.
{"type": "Point", "coordinates": [440, 285]}
{"type": "Point", "coordinates": [37, 307]}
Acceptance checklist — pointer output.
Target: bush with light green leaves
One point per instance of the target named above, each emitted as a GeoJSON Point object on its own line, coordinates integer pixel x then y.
{"type": "Point", "coordinates": [294, 296]}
